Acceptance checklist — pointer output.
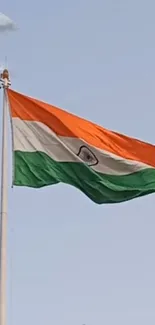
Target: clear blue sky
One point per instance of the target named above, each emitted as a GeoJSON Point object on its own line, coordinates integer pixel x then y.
{"type": "Point", "coordinates": [72, 262]}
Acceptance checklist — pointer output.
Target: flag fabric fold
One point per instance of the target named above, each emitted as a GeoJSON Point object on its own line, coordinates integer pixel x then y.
{"type": "Point", "coordinates": [53, 146]}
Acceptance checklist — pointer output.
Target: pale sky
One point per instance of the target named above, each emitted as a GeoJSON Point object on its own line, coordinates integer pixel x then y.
{"type": "Point", "coordinates": [70, 261]}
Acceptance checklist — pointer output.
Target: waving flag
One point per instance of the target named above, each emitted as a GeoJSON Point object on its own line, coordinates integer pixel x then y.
{"type": "Point", "coordinates": [52, 146]}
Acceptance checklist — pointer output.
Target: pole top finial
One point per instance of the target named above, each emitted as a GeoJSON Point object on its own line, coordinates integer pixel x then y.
{"type": "Point", "coordinates": [5, 79]}
{"type": "Point", "coordinates": [5, 74]}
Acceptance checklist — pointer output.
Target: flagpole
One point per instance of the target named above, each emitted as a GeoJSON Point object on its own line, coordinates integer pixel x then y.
{"type": "Point", "coordinates": [4, 196]}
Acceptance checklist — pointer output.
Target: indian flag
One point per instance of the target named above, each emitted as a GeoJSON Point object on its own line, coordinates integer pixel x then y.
{"type": "Point", "coordinates": [53, 146]}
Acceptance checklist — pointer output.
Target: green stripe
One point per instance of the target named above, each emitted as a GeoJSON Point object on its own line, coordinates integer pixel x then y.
{"type": "Point", "coordinates": [36, 170]}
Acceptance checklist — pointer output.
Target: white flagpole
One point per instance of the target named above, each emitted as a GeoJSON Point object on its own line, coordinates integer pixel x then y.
{"type": "Point", "coordinates": [3, 210]}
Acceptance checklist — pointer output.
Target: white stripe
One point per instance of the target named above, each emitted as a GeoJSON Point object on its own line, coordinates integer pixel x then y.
{"type": "Point", "coordinates": [30, 136]}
